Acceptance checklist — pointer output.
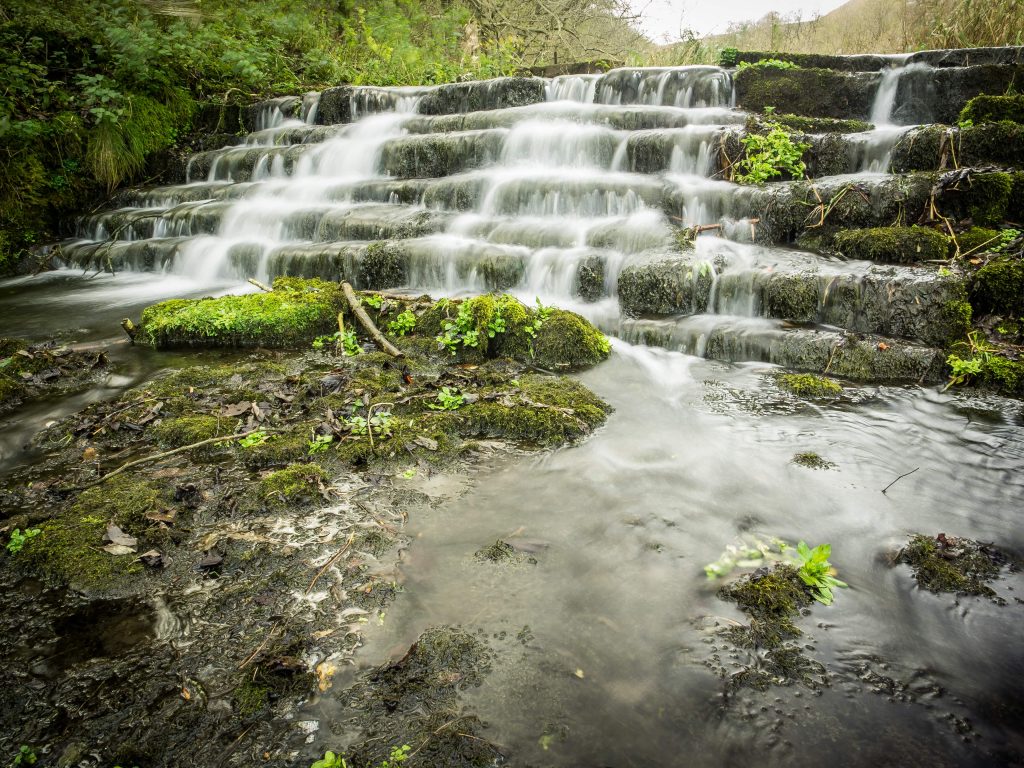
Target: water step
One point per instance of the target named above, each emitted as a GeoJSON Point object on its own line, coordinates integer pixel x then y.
{"type": "Point", "coordinates": [346, 103]}
{"type": "Point", "coordinates": [814, 350]}
{"type": "Point", "coordinates": [924, 94]}
{"type": "Point", "coordinates": [960, 57]}
{"type": "Point", "coordinates": [730, 279]}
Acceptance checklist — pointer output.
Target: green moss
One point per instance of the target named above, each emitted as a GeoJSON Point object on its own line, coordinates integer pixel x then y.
{"type": "Point", "coordinates": [956, 321]}
{"type": "Point", "coordinates": [999, 144]}
{"type": "Point", "coordinates": [1015, 205]}
{"type": "Point", "coordinates": [953, 565]}
{"type": "Point", "coordinates": [812, 460]}
{"type": "Point", "coordinates": [993, 109]}
{"type": "Point", "coordinates": [975, 240]}
{"type": "Point", "coordinates": [251, 697]}
{"type": "Point", "coordinates": [70, 546]}
{"type": "Point", "coordinates": [893, 244]}
{"type": "Point", "coordinates": [279, 449]}
{"type": "Point", "coordinates": [808, 385]}
{"type": "Point", "coordinates": [185, 430]}
{"type": "Point", "coordinates": [567, 341]}
{"type": "Point", "coordinates": [294, 313]}
{"type": "Point", "coordinates": [1003, 375]}
{"type": "Point", "coordinates": [998, 287]}
{"type": "Point", "coordinates": [772, 599]}
{"type": "Point", "coordinates": [547, 411]}
{"type": "Point", "coordinates": [802, 124]}
{"type": "Point", "coordinates": [987, 197]}
{"type": "Point", "coordinates": [490, 326]}
{"type": "Point", "coordinates": [803, 91]}
{"type": "Point", "coordinates": [294, 483]}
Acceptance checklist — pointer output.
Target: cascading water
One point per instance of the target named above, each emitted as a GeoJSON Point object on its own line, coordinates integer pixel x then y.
{"type": "Point", "coordinates": [876, 147]}
{"type": "Point", "coordinates": [583, 201]}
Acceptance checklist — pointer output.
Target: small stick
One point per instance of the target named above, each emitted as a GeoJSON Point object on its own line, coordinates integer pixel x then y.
{"type": "Point", "coordinates": [367, 323]}
{"type": "Point", "coordinates": [164, 455]}
{"type": "Point", "coordinates": [261, 286]}
{"type": "Point", "coordinates": [890, 485]}
{"type": "Point", "coordinates": [334, 558]}
{"type": "Point", "coordinates": [252, 656]}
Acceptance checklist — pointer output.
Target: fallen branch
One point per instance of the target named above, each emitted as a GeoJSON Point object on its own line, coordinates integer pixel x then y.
{"type": "Point", "coordinates": [261, 286]}
{"type": "Point", "coordinates": [890, 485]}
{"type": "Point", "coordinates": [164, 455]}
{"type": "Point", "coordinates": [367, 323]}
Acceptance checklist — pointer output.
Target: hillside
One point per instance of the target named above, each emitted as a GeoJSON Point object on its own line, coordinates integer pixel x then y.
{"type": "Point", "coordinates": [884, 26]}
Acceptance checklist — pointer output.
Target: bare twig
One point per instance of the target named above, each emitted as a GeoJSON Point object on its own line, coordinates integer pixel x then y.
{"type": "Point", "coordinates": [261, 286]}
{"type": "Point", "coordinates": [164, 455]}
{"type": "Point", "coordinates": [890, 485]}
{"type": "Point", "coordinates": [334, 558]}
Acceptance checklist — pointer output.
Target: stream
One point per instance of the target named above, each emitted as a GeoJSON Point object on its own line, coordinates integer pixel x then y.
{"type": "Point", "coordinates": [602, 639]}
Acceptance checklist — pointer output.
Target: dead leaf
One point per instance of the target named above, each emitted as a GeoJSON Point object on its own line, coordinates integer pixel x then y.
{"type": "Point", "coordinates": [883, 346]}
{"type": "Point", "coordinates": [116, 536]}
{"type": "Point", "coordinates": [426, 442]}
{"type": "Point", "coordinates": [212, 560]}
{"type": "Point", "coordinates": [89, 454]}
{"type": "Point", "coordinates": [154, 559]}
{"type": "Point", "coordinates": [185, 694]}
{"type": "Point", "coordinates": [236, 409]}
{"type": "Point", "coordinates": [119, 549]}
{"type": "Point", "coordinates": [579, 673]}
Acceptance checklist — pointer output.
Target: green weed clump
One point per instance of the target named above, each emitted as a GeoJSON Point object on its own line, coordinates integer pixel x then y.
{"type": "Point", "coordinates": [993, 109]}
{"type": "Point", "coordinates": [953, 565]}
{"type": "Point", "coordinates": [770, 155]}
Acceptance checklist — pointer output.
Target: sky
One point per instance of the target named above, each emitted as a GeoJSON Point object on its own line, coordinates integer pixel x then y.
{"type": "Point", "coordinates": [661, 18]}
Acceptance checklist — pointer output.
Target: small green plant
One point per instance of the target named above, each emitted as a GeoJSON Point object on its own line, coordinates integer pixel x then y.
{"type": "Point", "coordinates": [398, 756]}
{"type": "Point", "coordinates": [1006, 237]}
{"type": "Point", "coordinates": [18, 540]}
{"type": "Point", "coordinates": [816, 572]}
{"type": "Point", "coordinates": [403, 324]}
{"type": "Point", "coordinates": [496, 324]}
{"type": "Point", "coordinates": [767, 155]}
{"type": "Point", "coordinates": [319, 444]}
{"type": "Point", "coordinates": [26, 756]}
{"type": "Point", "coordinates": [977, 357]}
{"type": "Point", "coordinates": [461, 330]}
{"type": "Point", "coordinates": [330, 760]}
{"type": "Point", "coordinates": [728, 56]}
{"type": "Point", "coordinates": [259, 437]}
{"type": "Point", "coordinates": [345, 341]}
{"type": "Point", "coordinates": [448, 399]}
{"type": "Point", "coordinates": [374, 300]}
{"type": "Point", "coordinates": [540, 317]}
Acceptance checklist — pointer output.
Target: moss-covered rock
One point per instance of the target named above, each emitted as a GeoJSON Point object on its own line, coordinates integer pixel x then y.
{"type": "Point", "coordinates": [992, 109]}
{"type": "Point", "coordinates": [998, 287]}
{"type": "Point", "coordinates": [809, 386]}
{"type": "Point", "coordinates": [976, 240]}
{"type": "Point", "coordinates": [545, 411]}
{"type": "Point", "coordinates": [984, 197]}
{"type": "Point", "coordinates": [185, 430]}
{"type": "Point", "coordinates": [294, 313]}
{"type": "Point", "coordinates": [953, 565]}
{"type": "Point", "coordinates": [893, 244]}
{"type": "Point", "coordinates": [804, 124]}
{"type": "Point", "coordinates": [806, 91]}
{"type": "Point", "coordinates": [293, 484]}
{"type": "Point", "coordinates": [69, 548]}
